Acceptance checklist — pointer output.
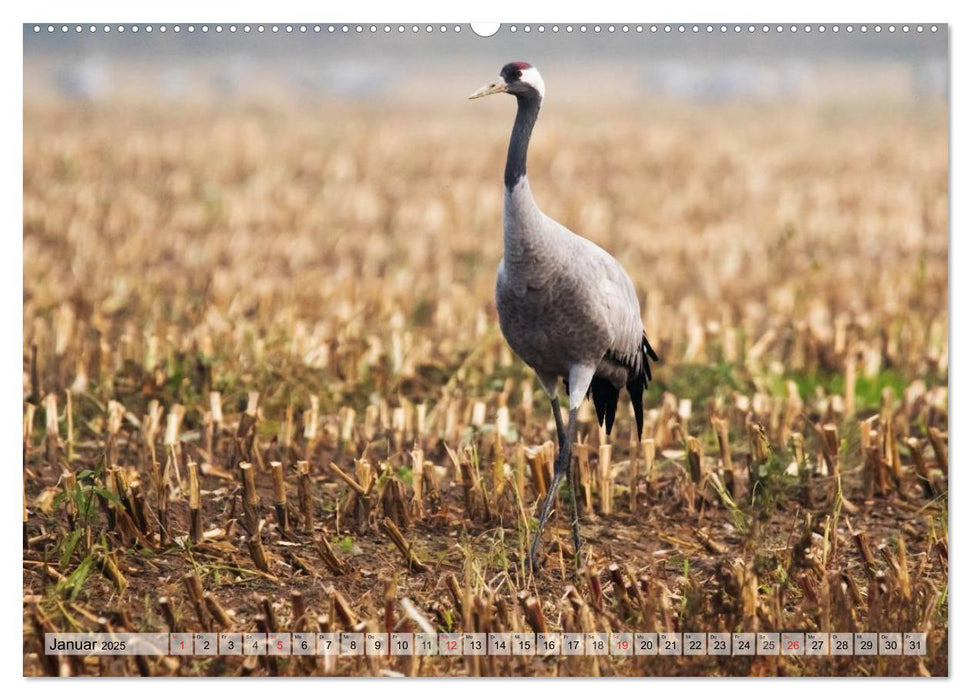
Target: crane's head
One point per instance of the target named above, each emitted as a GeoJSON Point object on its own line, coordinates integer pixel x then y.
{"type": "Point", "coordinates": [518, 78]}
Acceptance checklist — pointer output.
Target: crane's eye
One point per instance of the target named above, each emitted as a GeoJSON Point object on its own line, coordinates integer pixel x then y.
{"type": "Point", "coordinates": [519, 74]}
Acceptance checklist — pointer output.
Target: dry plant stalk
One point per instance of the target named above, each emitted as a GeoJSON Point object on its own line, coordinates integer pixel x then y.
{"type": "Point", "coordinates": [394, 534]}
{"type": "Point", "coordinates": [606, 479]}
{"type": "Point", "coordinates": [662, 431]}
{"type": "Point", "coordinates": [69, 416]}
{"type": "Point", "coordinates": [863, 547]}
{"type": "Point", "coordinates": [358, 488]}
{"type": "Point", "coordinates": [194, 588]}
{"type": "Point", "coordinates": [269, 660]}
{"type": "Point", "coordinates": [865, 430]}
{"type": "Point", "coordinates": [550, 449]}
{"type": "Point", "coordinates": [519, 459]}
{"type": "Point", "coordinates": [109, 567]}
{"type": "Point", "coordinates": [69, 484]}
{"type": "Point", "coordinates": [431, 486]}
{"type": "Point", "coordinates": [216, 410]}
{"type": "Point", "coordinates": [161, 501]}
{"type": "Point", "coordinates": [498, 460]}
{"type": "Point", "coordinates": [329, 556]}
{"type": "Point", "coordinates": [758, 453]}
{"type": "Point", "coordinates": [269, 613]}
{"type": "Point", "coordinates": [467, 465]}
{"type": "Point", "coordinates": [305, 495]}
{"type": "Point", "coordinates": [52, 434]}
{"type": "Point", "coordinates": [798, 446]}
{"type": "Point", "coordinates": [708, 543]}
{"type": "Point", "coordinates": [257, 552]}
{"type": "Point", "coordinates": [141, 509]}
{"type": "Point", "coordinates": [734, 480]}
{"type": "Point", "coordinates": [280, 497]}
{"type": "Point", "coordinates": [286, 430]}
{"type": "Point", "coordinates": [121, 512]}
{"type": "Point", "coordinates": [195, 513]}
{"type": "Point", "coordinates": [891, 452]}
{"type": "Point", "coordinates": [620, 590]}
{"type": "Point", "coordinates": [793, 409]}
{"type": "Point", "coordinates": [849, 383]}
{"type": "Point", "coordinates": [537, 458]}
{"type": "Point", "coordinates": [168, 612]}
{"type": "Point", "coordinates": [53, 665]}
{"type": "Point", "coordinates": [251, 499]}
{"type": "Point", "coordinates": [343, 610]}
{"type": "Point", "coordinates": [392, 498]}
{"type": "Point", "coordinates": [347, 419]}
{"type": "Point", "coordinates": [650, 473]}
{"type": "Point", "coordinates": [301, 618]}
{"type": "Point", "coordinates": [217, 611]}
{"type": "Point", "coordinates": [458, 594]}
{"type": "Point", "coordinates": [533, 613]}
{"type": "Point", "coordinates": [830, 445]}
{"type": "Point", "coordinates": [920, 466]}
{"type": "Point", "coordinates": [28, 430]}
{"type": "Point", "coordinates": [873, 473]}
{"type": "Point", "coordinates": [830, 448]}
{"type": "Point", "coordinates": [937, 439]}
{"type": "Point", "coordinates": [311, 418]}
{"type": "Point", "coordinates": [357, 509]}
{"type": "Point", "coordinates": [417, 506]}
{"type": "Point", "coordinates": [693, 456]}
{"type": "Point", "coordinates": [116, 413]}
{"type": "Point", "coordinates": [171, 442]}
{"type": "Point", "coordinates": [245, 432]}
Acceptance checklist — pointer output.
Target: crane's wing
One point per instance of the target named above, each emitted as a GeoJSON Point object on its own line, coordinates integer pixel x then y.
{"type": "Point", "coordinates": [628, 346]}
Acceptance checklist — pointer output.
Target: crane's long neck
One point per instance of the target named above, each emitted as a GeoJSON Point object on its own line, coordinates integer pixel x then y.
{"type": "Point", "coordinates": [519, 141]}
{"type": "Point", "coordinates": [522, 219]}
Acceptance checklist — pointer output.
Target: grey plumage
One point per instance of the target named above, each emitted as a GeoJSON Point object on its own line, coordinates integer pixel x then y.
{"type": "Point", "coordinates": [566, 307]}
{"type": "Point", "coordinates": [564, 302]}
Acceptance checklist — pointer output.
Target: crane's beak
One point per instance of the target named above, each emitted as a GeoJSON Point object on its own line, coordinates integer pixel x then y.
{"type": "Point", "coordinates": [498, 85]}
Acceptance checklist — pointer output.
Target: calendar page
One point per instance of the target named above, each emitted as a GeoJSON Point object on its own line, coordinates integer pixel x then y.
{"type": "Point", "coordinates": [510, 350]}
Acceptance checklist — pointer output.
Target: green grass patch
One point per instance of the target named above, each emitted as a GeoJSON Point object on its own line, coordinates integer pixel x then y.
{"type": "Point", "coordinates": [869, 390]}
{"type": "Point", "coordinates": [701, 381]}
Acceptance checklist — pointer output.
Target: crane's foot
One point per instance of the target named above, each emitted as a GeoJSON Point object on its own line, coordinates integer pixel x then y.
{"type": "Point", "coordinates": [544, 514]}
{"type": "Point", "coordinates": [532, 559]}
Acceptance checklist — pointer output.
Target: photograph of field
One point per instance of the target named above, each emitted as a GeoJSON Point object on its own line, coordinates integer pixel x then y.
{"type": "Point", "coordinates": [265, 388]}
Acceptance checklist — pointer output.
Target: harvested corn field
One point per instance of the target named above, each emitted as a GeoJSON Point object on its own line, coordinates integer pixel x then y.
{"type": "Point", "coordinates": [265, 389]}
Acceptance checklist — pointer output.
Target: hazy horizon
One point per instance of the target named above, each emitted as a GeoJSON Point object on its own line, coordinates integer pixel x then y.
{"type": "Point", "coordinates": [692, 66]}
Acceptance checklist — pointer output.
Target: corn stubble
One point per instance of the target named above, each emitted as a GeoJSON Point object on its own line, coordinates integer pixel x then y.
{"type": "Point", "coordinates": [265, 388]}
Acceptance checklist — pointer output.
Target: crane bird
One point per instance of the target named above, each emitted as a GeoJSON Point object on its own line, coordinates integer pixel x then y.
{"type": "Point", "coordinates": [566, 307]}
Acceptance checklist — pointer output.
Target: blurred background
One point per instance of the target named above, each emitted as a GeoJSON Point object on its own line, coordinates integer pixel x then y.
{"type": "Point", "coordinates": [334, 196]}
{"type": "Point", "coordinates": [585, 66]}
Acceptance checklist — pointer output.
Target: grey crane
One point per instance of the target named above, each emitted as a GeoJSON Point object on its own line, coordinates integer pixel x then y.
{"type": "Point", "coordinates": [566, 307]}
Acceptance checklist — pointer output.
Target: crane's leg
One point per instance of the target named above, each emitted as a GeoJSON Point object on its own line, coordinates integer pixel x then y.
{"type": "Point", "coordinates": [558, 419]}
{"type": "Point", "coordinates": [580, 378]}
{"type": "Point", "coordinates": [549, 386]}
{"type": "Point", "coordinates": [561, 470]}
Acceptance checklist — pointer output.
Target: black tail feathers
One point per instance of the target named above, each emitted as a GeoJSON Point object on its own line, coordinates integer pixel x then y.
{"type": "Point", "coordinates": [605, 394]}
{"type": "Point", "coordinates": [647, 352]}
{"type": "Point", "coordinates": [605, 397]}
